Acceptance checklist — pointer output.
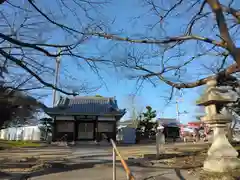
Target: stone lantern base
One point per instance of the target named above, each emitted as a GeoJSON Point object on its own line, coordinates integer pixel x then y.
{"type": "Point", "coordinates": [222, 156]}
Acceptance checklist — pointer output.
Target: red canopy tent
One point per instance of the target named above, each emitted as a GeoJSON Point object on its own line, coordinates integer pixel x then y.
{"type": "Point", "coordinates": [194, 124]}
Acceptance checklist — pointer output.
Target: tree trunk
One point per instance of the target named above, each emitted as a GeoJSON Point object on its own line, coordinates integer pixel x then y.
{"type": "Point", "coordinates": [46, 133]}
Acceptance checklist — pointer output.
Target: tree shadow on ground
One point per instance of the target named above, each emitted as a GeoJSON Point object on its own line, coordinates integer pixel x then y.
{"type": "Point", "coordinates": [94, 156]}
{"type": "Point", "coordinates": [56, 167]}
{"type": "Point", "coordinates": [4, 175]}
{"type": "Point", "coordinates": [173, 155]}
{"type": "Point", "coordinates": [64, 166]}
{"type": "Point", "coordinates": [179, 174]}
{"type": "Point", "coordinates": [162, 176]}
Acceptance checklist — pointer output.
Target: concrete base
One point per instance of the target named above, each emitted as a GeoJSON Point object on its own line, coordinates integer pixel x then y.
{"type": "Point", "coordinates": [205, 175]}
{"type": "Point", "coordinates": [222, 156]}
{"type": "Point", "coordinates": [221, 165]}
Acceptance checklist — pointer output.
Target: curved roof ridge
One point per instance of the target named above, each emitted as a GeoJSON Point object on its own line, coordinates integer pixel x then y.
{"type": "Point", "coordinates": [90, 97]}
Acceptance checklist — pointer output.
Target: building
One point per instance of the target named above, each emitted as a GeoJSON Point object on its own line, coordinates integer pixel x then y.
{"type": "Point", "coordinates": [171, 127]}
{"type": "Point", "coordinates": [169, 122]}
{"type": "Point", "coordinates": [85, 118]}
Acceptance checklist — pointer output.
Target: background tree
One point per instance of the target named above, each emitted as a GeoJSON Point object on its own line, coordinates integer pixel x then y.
{"type": "Point", "coordinates": [147, 123]}
{"type": "Point", "coordinates": [16, 107]}
{"type": "Point", "coordinates": [46, 127]}
{"type": "Point", "coordinates": [97, 95]}
{"type": "Point", "coordinates": [134, 108]}
{"type": "Point", "coordinates": [230, 84]}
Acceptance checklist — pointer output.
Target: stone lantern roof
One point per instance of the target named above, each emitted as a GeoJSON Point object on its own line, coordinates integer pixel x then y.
{"type": "Point", "coordinates": [215, 95]}
{"type": "Point", "coordinates": [214, 98]}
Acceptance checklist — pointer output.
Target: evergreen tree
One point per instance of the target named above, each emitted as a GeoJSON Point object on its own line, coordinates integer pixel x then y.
{"type": "Point", "coordinates": [146, 122]}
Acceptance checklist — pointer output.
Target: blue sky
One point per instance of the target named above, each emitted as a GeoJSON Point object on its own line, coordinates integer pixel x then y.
{"type": "Point", "coordinates": [119, 86]}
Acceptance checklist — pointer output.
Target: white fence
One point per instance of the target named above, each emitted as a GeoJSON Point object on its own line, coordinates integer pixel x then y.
{"type": "Point", "coordinates": [31, 133]}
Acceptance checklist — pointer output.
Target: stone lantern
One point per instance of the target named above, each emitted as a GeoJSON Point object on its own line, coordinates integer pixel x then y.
{"type": "Point", "coordinates": [222, 157]}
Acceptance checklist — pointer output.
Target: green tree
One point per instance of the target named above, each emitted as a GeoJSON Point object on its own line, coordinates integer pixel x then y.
{"type": "Point", "coordinates": [16, 107]}
{"type": "Point", "coordinates": [97, 95]}
{"type": "Point", "coordinates": [146, 122]}
{"type": "Point", "coordinates": [46, 126]}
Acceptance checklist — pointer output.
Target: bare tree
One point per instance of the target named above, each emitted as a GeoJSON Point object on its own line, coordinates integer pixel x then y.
{"type": "Point", "coordinates": [180, 35]}
{"type": "Point", "coordinates": [203, 29]}
{"type": "Point", "coordinates": [135, 108]}
{"type": "Point", "coordinates": [33, 34]}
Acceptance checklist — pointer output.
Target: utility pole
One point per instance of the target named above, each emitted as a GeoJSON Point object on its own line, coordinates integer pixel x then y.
{"type": "Point", "coordinates": [179, 99]}
{"type": "Point", "coordinates": [56, 78]}
{"type": "Point", "coordinates": [177, 110]}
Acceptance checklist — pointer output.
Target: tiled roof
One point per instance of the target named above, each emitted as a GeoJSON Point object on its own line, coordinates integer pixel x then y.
{"type": "Point", "coordinates": [86, 105]}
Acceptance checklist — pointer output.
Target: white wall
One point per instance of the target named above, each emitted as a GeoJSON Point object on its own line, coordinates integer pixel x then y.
{"type": "Point", "coordinates": [31, 133]}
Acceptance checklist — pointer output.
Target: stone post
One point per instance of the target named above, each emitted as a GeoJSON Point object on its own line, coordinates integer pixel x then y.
{"type": "Point", "coordinates": [222, 156]}
{"type": "Point", "coordinates": [159, 140]}
{"type": "Point", "coordinates": [157, 144]}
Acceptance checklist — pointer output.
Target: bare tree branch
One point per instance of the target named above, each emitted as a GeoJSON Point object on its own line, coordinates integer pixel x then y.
{"type": "Point", "coordinates": [21, 64]}
{"type": "Point", "coordinates": [163, 41]}
{"type": "Point", "coordinates": [223, 29]}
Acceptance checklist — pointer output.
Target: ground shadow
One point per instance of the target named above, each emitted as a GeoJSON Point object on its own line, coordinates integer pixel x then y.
{"type": "Point", "coordinates": [94, 156]}
{"type": "Point", "coordinates": [179, 174]}
{"type": "Point", "coordinates": [162, 176]}
{"type": "Point", "coordinates": [57, 167]}
{"type": "Point", "coordinates": [4, 175]}
{"type": "Point", "coordinates": [172, 155]}
{"type": "Point", "coordinates": [164, 166]}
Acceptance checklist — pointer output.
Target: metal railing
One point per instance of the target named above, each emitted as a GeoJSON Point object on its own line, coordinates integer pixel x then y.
{"type": "Point", "coordinates": [116, 153]}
